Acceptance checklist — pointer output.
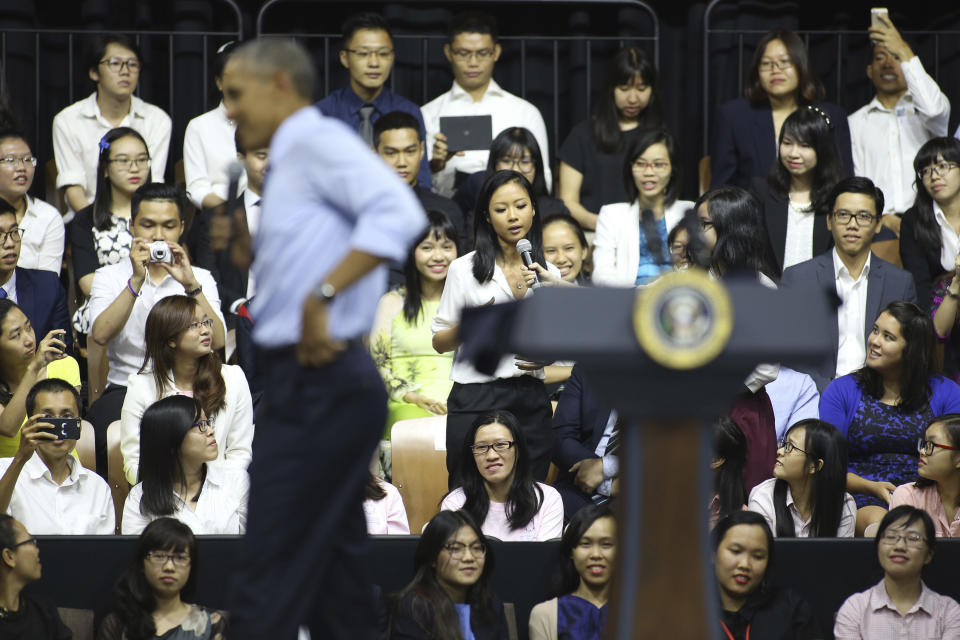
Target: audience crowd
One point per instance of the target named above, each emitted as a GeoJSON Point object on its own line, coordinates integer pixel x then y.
{"type": "Point", "coordinates": [864, 206]}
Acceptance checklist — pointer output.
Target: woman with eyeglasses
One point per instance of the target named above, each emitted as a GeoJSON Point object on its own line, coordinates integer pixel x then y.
{"type": "Point", "coordinates": [929, 243]}
{"type": "Point", "coordinates": [805, 498]}
{"type": "Point", "coordinates": [746, 131]}
{"type": "Point", "coordinates": [149, 599]}
{"type": "Point", "coordinates": [100, 233]}
{"type": "Point", "coordinates": [449, 597]}
{"type": "Point", "coordinates": [40, 225]}
{"type": "Point", "coordinates": [180, 360]}
{"type": "Point", "coordinates": [900, 603]}
{"type": "Point", "coordinates": [937, 490]}
{"type": "Point", "coordinates": [883, 407]}
{"type": "Point", "coordinates": [588, 552]}
{"type": "Point", "coordinates": [624, 254]}
{"type": "Point", "coordinates": [498, 489]}
{"type": "Point", "coordinates": [592, 155]}
{"type": "Point", "coordinates": [177, 444]}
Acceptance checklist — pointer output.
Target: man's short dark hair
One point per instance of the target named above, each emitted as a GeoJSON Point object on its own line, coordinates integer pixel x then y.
{"type": "Point", "coordinates": [158, 191]}
{"type": "Point", "coordinates": [367, 20]}
{"type": "Point", "coordinates": [6, 207]}
{"type": "Point", "coordinates": [8, 535]}
{"type": "Point", "coordinates": [99, 44]}
{"type": "Point", "coordinates": [473, 21]}
{"type": "Point", "coordinates": [52, 385]}
{"type": "Point", "coordinates": [860, 185]}
{"type": "Point", "coordinates": [394, 120]}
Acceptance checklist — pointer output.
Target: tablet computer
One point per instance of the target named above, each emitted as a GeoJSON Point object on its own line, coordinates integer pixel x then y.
{"type": "Point", "coordinates": [467, 133]}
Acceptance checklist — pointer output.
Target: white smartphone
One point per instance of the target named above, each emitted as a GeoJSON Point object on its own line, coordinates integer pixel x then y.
{"type": "Point", "coordinates": [875, 15]}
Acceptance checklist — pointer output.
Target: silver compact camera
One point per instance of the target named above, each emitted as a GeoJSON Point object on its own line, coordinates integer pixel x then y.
{"type": "Point", "coordinates": [160, 252]}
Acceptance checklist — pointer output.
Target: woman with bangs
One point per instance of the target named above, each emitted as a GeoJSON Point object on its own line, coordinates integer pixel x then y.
{"type": "Point", "coordinates": [591, 158]}
{"type": "Point", "coordinates": [747, 130]}
{"type": "Point", "coordinates": [180, 360]}
{"type": "Point", "coordinates": [793, 194]}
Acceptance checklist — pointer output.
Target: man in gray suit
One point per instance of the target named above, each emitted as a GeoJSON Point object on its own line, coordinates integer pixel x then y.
{"type": "Point", "coordinates": [864, 283]}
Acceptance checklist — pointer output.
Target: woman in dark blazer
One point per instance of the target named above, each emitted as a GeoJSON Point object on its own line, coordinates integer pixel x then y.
{"type": "Point", "coordinates": [746, 130]}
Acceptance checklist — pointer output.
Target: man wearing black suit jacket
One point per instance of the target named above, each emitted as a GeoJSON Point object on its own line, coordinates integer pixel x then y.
{"type": "Point", "coordinates": [582, 427]}
{"type": "Point", "coordinates": [39, 294]}
{"type": "Point", "coordinates": [865, 283]}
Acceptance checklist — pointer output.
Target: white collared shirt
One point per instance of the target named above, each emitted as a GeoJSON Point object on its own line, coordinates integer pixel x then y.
{"type": "Point", "coordinates": [761, 501]}
{"type": "Point", "coordinates": [885, 141]}
{"type": "Point", "coordinates": [221, 509]}
{"type": "Point", "coordinates": [43, 233]}
{"type": "Point", "coordinates": [462, 290]}
{"type": "Point", "coordinates": [506, 110]}
{"type": "Point", "coordinates": [82, 505]}
{"type": "Point", "coordinates": [799, 244]}
{"type": "Point", "coordinates": [10, 286]}
{"type": "Point", "coordinates": [851, 316]}
{"type": "Point", "coordinates": [251, 203]}
{"type": "Point", "coordinates": [127, 349]}
{"type": "Point", "coordinates": [77, 131]}
{"type": "Point", "coordinates": [208, 149]}
{"type": "Point", "coordinates": [949, 240]}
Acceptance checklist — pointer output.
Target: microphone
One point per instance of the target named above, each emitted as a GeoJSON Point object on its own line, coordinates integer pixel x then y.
{"type": "Point", "coordinates": [525, 249]}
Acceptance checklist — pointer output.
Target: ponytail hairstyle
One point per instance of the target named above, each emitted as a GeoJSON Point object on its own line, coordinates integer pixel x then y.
{"type": "Point", "coordinates": [827, 447]}
{"type": "Point", "coordinates": [440, 225]}
{"type": "Point", "coordinates": [168, 319]}
{"type": "Point", "coordinates": [103, 199]}
{"type": "Point", "coordinates": [621, 69]}
{"type": "Point", "coordinates": [486, 243]}
{"type": "Point", "coordinates": [730, 446]}
{"type": "Point", "coordinates": [926, 231]}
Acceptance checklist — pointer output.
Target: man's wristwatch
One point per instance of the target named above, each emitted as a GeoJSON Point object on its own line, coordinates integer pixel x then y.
{"type": "Point", "coordinates": [324, 291]}
{"type": "Point", "coordinates": [193, 293]}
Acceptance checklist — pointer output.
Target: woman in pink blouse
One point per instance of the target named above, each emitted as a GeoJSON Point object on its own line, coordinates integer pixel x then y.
{"type": "Point", "coordinates": [937, 491]}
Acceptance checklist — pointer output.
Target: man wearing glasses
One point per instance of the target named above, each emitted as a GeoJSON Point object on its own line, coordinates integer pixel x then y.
{"type": "Point", "coordinates": [367, 53]}
{"type": "Point", "coordinates": [472, 50]}
{"type": "Point", "coordinates": [864, 283]}
{"type": "Point", "coordinates": [115, 70]}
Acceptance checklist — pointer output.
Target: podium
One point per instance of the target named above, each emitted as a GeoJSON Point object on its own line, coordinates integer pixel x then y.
{"type": "Point", "coordinates": [669, 358]}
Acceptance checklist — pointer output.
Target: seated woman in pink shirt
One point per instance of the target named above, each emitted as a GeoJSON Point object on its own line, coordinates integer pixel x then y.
{"type": "Point", "coordinates": [900, 605]}
{"type": "Point", "coordinates": [383, 508]}
{"type": "Point", "coordinates": [498, 489]}
{"type": "Point", "coordinates": [937, 491]}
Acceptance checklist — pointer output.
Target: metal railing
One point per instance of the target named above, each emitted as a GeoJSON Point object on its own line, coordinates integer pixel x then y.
{"type": "Point", "coordinates": [848, 46]}
{"type": "Point", "coordinates": [518, 50]}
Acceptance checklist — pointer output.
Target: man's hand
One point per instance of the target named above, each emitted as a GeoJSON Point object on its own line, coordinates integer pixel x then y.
{"type": "Point", "coordinates": [139, 260]}
{"type": "Point", "coordinates": [31, 436]}
{"type": "Point", "coordinates": [316, 348]}
{"type": "Point", "coordinates": [180, 268]}
{"type": "Point", "coordinates": [890, 39]}
{"type": "Point", "coordinates": [441, 153]}
{"type": "Point", "coordinates": [589, 474]}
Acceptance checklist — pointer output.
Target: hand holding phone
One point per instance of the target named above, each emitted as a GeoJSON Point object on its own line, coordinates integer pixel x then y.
{"type": "Point", "coordinates": [61, 428]}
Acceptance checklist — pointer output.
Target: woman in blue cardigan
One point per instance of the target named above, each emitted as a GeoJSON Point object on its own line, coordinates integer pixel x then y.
{"type": "Point", "coordinates": [885, 406]}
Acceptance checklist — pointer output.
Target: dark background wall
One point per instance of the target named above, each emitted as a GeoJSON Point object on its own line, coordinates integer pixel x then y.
{"type": "Point", "coordinates": [44, 72]}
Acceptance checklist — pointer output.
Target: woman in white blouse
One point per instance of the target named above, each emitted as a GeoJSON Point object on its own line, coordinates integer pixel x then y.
{"type": "Point", "coordinates": [176, 479]}
{"type": "Point", "coordinates": [494, 273]}
{"type": "Point", "coordinates": [180, 360]}
{"type": "Point", "coordinates": [621, 249]}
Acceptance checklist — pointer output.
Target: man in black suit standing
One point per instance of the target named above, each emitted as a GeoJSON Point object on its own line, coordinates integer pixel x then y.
{"type": "Point", "coordinates": [38, 293]}
{"type": "Point", "coordinates": [865, 283]}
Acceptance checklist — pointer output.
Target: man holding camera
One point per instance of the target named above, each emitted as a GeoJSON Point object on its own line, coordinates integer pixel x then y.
{"type": "Point", "coordinates": [51, 493]}
{"type": "Point", "coordinates": [123, 294]}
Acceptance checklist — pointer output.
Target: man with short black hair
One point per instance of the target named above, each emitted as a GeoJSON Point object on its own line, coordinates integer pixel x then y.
{"type": "Point", "coordinates": [472, 50]}
{"type": "Point", "coordinates": [865, 283]}
{"type": "Point", "coordinates": [114, 67]}
{"type": "Point", "coordinates": [366, 51]}
{"type": "Point", "coordinates": [51, 493]}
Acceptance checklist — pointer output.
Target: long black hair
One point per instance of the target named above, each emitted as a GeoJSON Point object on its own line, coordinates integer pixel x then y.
{"type": "Point", "coordinates": [824, 444]}
{"type": "Point", "coordinates": [567, 579]}
{"type": "Point", "coordinates": [524, 498]}
{"type": "Point", "coordinates": [134, 600]}
{"type": "Point", "coordinates": [486, 244]}
{"type": "Point", "coordinates": [429, 605]}
{"type": "Point", "coordinates": [926, 231]}
{"type": "Point", "coordinates": [810, 126]}
{"type": "Point", "coordinates": [513, 140]}
{"type": "Point", "coordinates": [749, 518]}
{"type": "Point", "coordinates": [6, 391]}
{"type": "Point", "coordinates": [163, 427]}
{"type": "Point", "coordinates": [729, 445]}
{"type": "Point", "coordinates": [640, 143]}
{"type": "Point", "coordinates": [809, 87]}
{"type": "Point", "coordinates": [741, 232]}
{"type": "Point", "coordinates": [917, 359]}
{"type": "Point", "coordinates": [440, 225]}
{"type": "Point", "coordinates": [951, 425]}
{"type": "Point", "coordinates": [621, 69]}
{"type": "Point", "coordinates": [103, 200]}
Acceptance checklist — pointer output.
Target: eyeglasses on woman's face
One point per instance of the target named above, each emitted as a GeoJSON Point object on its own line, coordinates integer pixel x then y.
{"type": "Point", "coordinates": [927, 447]}
{"type": "Point", "coordinates": [940, 169]}
{"type": "Point", "coordinates": [499, 447]}
{"type": "Point", "coordinates": [160, 558]}
{"type": "Point", "coordinates": [457, 549]}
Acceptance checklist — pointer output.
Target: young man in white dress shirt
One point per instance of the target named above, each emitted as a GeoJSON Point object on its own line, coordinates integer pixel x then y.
{"type": "Point", "coordinates": [43, 485]}
{"type": "Point", "coordinates": [473, 51]}
{"type": "Point", "coordinates": [908, 110]}
{"type": "Point", "coordinates": [114, 67]}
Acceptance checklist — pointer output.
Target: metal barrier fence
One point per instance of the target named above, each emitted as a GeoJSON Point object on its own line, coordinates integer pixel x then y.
{"type": "Point", "coordinates": [849, 47]}
{"type": "Point", "coordinates": [420, 54]}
